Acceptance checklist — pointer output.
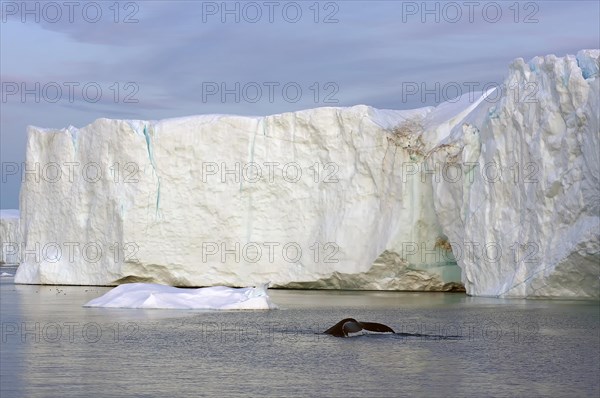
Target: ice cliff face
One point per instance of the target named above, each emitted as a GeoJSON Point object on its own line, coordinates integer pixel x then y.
{"type": "Point", "coordinates": [533, 203]}
{"type": "Point", "coordinates": [10, 236]}
{"type": "Point", "coordinates": [305, 199]}
{"type": "Point", "coordinates": [353, 198]}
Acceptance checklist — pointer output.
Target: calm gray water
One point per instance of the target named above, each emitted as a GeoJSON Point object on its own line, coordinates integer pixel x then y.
{"type": "Point", "coordinates": [53, 347]}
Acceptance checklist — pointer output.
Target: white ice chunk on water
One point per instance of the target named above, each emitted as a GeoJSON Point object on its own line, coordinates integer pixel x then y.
{"type": "Point", "coordinates": [150, 295]}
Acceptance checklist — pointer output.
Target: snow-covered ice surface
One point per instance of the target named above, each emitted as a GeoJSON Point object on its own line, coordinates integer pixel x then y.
{"type": "Point", "coordinates": [10, 237]}
{"type": "Point", "coordinates": [150, 295]}
{"type": "Point", "coordinates": [337, 197]}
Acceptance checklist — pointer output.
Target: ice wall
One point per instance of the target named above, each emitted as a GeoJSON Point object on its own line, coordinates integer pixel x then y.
{"type": "Point", "coordinates": [306, 199]}
{"type": "Point", "coordinates": [352, 198]}
{"type": "Point", "coordinates": [10, 236]}
{"type": "Point", "coordinates": [526, 214]}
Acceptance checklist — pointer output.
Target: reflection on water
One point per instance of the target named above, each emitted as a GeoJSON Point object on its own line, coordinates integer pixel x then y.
{"type": "Point", "coordinates": [51, 346]}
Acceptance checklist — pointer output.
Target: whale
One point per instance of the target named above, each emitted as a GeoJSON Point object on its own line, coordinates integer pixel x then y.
{"type": "Point", "coordinates": [351, 327]}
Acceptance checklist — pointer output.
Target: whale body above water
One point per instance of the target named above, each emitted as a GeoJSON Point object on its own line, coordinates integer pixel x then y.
{"type": "Point", "coordinates": [350, 326]}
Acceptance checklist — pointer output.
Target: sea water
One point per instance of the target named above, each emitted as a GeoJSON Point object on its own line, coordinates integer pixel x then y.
{"type": "Point", "coordinates": [52, 346]}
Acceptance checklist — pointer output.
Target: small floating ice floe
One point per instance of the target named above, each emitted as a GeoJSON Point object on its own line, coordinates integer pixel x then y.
{"type": "Point", "coordinates": [6, 275]}
{"type": "Point", "coordinates": [150, 295]}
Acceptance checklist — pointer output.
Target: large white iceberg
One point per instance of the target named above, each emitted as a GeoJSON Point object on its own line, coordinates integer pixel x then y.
{"type": "Point", "coordinates": [352, 198]}
{"type": "Point", "coordinates": [10, 237]}
{"type": "Point", "coordinates": [304, 199]}
{"type": "Point", "coordinates": [154, 296]}
{"type": "Point", "coordinates": [533, 204]}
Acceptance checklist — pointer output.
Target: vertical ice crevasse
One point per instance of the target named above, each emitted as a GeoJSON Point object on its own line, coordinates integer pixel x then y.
{"type": "Point", "coordinates": [153, 163]}
{"type": "Point", "coordinates": [251, 146]}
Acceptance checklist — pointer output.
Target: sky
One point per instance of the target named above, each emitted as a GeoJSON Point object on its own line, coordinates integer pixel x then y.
{"type": "Point", "coordinates": [66, 63]}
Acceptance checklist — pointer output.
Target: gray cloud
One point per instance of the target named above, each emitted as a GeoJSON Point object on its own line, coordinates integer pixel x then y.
{"type": "Point", "coordinates": [170, 52]}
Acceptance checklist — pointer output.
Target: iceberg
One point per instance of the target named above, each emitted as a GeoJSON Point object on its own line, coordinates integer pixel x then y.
{"type": "Point", "coordinates": [154, 296]}
{"type": "Point", "coordinates": [533, 204]}
{"type": "Point", "coordinates": [10, 236]}
{"type": "Point", "coordinates": [496, 192]}
{"type": "Point", "coordinates": [308, 199]}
